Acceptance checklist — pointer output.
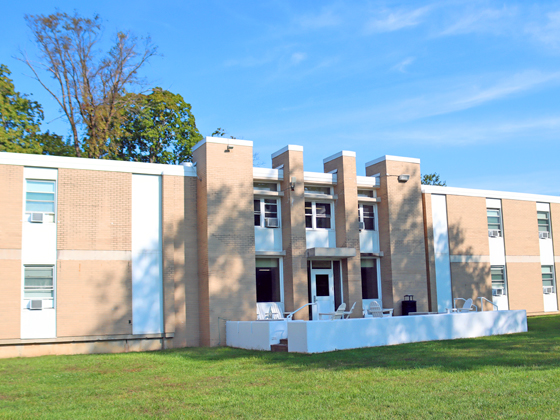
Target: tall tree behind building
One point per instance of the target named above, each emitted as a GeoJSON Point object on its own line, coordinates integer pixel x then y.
{"type": "Point", "coordinates": [89, 86]}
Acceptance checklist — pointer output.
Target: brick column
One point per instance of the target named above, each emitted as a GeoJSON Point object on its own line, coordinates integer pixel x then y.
{"type": "Point", "coordinates": [293, 229]}
{"type": "Point", "coordinates": [226, 235]}
{"type": "Point", "coordinates": [401, 232]}
{"type": "Point", "coordinates": [346, 224]}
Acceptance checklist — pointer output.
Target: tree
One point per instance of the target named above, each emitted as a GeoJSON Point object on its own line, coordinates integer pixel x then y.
{"type": "Point", "coordinates": [20, 121]}
{"type": "Point", "coordinates": [433, 179]}
{"type": "Point", "coordinates": [157, 128]}
{"type": "Point", "coordinates": [88, 86]}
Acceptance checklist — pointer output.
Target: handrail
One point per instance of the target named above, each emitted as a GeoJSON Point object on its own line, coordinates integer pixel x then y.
{"type": "Point", "coordinates": [465, 301]}
{"type": "Point", "coordinates": [489, 301]}
{"type": "Point", "coordinates": [291, 314]}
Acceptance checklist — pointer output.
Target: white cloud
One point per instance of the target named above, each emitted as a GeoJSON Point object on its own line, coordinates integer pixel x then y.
{"type": "Point", "coordinates": [395, 20]}
{"type": "Point", "coordinates": [298, 57]}
{"type": "Point", "coordinates": [548, 33]}
{"type": "Point", "coordinates": [326, 18]}
{"type": "Point", "coordinates": [401, 67]}
{"type": "Point", "coordinates": [486, 20]}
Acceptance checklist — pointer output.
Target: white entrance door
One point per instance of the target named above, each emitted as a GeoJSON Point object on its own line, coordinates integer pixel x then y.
{"type": "Point", "coordinates": [322, 292]}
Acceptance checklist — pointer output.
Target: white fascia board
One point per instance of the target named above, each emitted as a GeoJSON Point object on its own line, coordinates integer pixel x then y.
{"type": "Point", "coordinates": [223, 140]}
{"type": "Point", "coordinates": [291, 147]}
{"type": "Point", "coordinates": [394, 158]}
{"type": "Point", "coordinates": [319, 177]}
{"type": "Point", "coordinates": [433, 189]}
{"type": "Point", "coordinates": [367, 181]}
{"type": "Point", "coordinates": [42, 161]}
{"type": "Point", "coordinates": [267, 173]}
{"type": "Point", "coordinates": [339, 154]}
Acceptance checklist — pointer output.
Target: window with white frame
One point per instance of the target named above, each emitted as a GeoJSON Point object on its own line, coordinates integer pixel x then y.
{"type": "Point", "coordinates": [370, 288]}
{"type": "Point", "coordinates": [543, 219]}
{"type": "Point", "coordinates": [266, 212]}
{"type": "Point", "coordinates": [365, 193]}
{"type": "Point", "coordinates": [547, 278]}
{"type": "Point", "coordinates": [366, 214]}
{"type": "Point", "coordinates": [318, 215]}
{"type": "Point", "coordinates": [498, 280]}
{"type": "Point", "coordinates": [269, 284]}
{"type": "Point", "coordinates": [38, 282]}
{"type": "Point", "coordinates": [40, 197]}
{"type": "Point", "coordinates": [317, 189]}
{"type": "Point", "coordinates": [265, 186]}
{"type": "Point", "coordinates": [494, 217]}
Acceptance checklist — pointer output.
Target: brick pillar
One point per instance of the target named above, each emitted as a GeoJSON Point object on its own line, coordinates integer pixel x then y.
{"type": "Point", "coordinates": [293, 229]}
{"type": "Point", "coordinates": [401, 232]}
{"type": "Point", "coordinates": [346, 224]}
{"type": "Point", "coordinates": [226, 235]}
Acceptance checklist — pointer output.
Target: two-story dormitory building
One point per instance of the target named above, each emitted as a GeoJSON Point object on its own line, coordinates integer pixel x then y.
{"type": "Point", "coordinates": [107, 256]}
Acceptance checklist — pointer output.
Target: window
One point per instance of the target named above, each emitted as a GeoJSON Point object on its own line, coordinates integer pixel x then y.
{"type": "Point", "coordinates": [365, 193]}
{"type": "Point", "coordinates": [369, 279]}
{"type": "Point", "coordinates": [317, 215]}
{"type": "Point", "coordinates": [367, 216]}
{"type": "Point", "coordinates": [494, 217]}
{"type": "Point", "coordinates": [543, 218]}
{"type": "Point", "coordinates": [498, 280]}
{"type": "Point", "coordinates": [39, 196]}
{"type": "Point", "coordinates": [268, 280]}
{"type": "Point", "coordinates": [267, 207]}
{"type": "Point", "coordinates": [265, 186]}
{"type": "Point", "coordinates": [38, 282]}
{"type": "Point", "coordinates": [547, 278]}
{"type": "Point", "coordinates": [315, 189]}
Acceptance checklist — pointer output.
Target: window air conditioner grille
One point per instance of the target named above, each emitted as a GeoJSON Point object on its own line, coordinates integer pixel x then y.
{"type": "Point", "coordinates": [36, 304]}
{"type": "Point", "coordinates": [36, 218]}
{"type": "Point", "coordinates": [548, 290]}
{"type": "Point", "coordinates": [361, 225]}
{"type": "Point", "coordinates": [544, 235]}
{"type": "Point", "coordinates": [271, 222]}
{"type": "Point", "coordinates": [497, 292]}
{"type": "Point", "coordinates": [494, 233]}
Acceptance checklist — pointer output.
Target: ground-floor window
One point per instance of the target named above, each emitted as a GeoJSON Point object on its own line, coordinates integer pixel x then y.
{"type": "Point", "coordinates": [369, 279]}
{"type": "Point", "coordinates": [38, 282]}
{"type": "Point", "coordinates": [498, 280]}
{"type": "Point", "coordinates": [547, 279]}
{"type": "Point", "coordinates": [268, 280]}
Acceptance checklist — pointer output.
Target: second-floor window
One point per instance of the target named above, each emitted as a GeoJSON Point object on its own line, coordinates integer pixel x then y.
{"type": "Point", "coordinates": [318, 215]}
{"type": "Point", "coordinates": [366, 216]}
{"type": "Point", "coordinates": [494, 217]}
{"type": "Point", "coordinates": [543, 219]}
{"type": "Point", "coordinates": [266, 212]}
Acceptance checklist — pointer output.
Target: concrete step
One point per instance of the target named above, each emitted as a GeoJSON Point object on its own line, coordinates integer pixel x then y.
{"type": "Point", "coordinates": [279, 347]}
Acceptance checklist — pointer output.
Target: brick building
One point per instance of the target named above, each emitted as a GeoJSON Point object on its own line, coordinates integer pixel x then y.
{"type": "Point", "coordinates": [108, 256]}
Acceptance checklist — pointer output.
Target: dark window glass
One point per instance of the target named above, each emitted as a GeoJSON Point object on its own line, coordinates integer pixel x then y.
{"type": "Point", "coordinates": [369, 217]}
{"type": "Point", "coordinates": [323, 212]}
{"type": "Point", "coordinates": [369, 279]}
{"type": "Point", "coordinates": [308, 215]}
{"type": "Point", "coordinates": [257, 211]}
{"type": "Point", "coordinates": [268, 282]}
{"type": "Point", "coordinates": [322, 283]}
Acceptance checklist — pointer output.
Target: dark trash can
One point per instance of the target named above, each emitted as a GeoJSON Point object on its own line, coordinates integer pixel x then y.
{"type": "Point", "coordinates": [408, 304]}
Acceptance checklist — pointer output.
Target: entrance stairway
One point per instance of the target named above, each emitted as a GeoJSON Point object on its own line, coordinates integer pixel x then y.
{"type": "Point", "coordinates": [282, 347]}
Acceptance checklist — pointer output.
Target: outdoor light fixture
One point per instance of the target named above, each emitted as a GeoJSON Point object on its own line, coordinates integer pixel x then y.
{"type": "Point", "coordinates": [229, 148]}
{"type": "Point", "coordinates": [403, 178]}
{"type": "Point", "coordinates": [293, 182]}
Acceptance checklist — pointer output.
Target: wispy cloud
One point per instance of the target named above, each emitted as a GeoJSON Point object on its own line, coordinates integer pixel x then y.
{"type": "Point", "coordinates": [549, 32]}
{"type": "Point", "coordinates": [485, 20]}
{"type": "Point", "coordinates": [298, 57]}
{"type": "Point", "coordinates": [401, 67]}
{"type": "Point", "coordinates": [327, 17]}
{"type": "Point", "coordinates": [393, 20]}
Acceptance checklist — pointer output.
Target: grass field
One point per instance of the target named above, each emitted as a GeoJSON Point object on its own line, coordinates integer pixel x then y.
{"type": "Point", "coordinates": [502, 377]}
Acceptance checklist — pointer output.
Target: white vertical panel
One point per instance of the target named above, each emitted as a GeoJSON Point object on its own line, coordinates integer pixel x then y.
{"type": "Point", "coordinates": [441, 251]}
{"type": "Point", "coordinates": [147, 289]}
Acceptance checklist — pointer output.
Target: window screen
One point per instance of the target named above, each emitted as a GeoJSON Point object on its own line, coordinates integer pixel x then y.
{"type": "Point", "coordinates": [38, 282]}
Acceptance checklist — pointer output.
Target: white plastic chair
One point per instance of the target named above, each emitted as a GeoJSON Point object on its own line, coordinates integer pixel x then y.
{"type": "Point", "coordinates": [347, 314]}
{"type": "Point", "coordinates": [270, 311]}
{"type": "Point", "coordinates": [375, 310]}
{"type": "Point", "coordinates": [468, 305]}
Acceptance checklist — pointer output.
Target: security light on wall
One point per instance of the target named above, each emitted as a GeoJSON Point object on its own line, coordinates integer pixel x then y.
{"type": "Point", "coordinates": [293, 182]}
{"type": "Point", "coordinates": [229, 148]}
{"type": "Point", "coordinates": [404, 178]}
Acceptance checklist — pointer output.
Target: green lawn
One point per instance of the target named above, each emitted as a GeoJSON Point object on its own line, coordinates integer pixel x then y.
{"type": "Point", "coordinates": [514, 376]}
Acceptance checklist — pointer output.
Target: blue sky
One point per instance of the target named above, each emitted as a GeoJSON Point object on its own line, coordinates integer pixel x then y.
{"type": "Point", "coordinates": [472, 88]}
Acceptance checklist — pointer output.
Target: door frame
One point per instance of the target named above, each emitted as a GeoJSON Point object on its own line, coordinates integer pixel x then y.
{"type": "Point", "coordinates": [321, 271]}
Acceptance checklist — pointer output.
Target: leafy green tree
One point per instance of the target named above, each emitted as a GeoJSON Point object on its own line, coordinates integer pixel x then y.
{"type": "Point", "coordinates": [157, 128]}
{"type": "Point", "coordinates": [20, 121]}
{"type": "Point", "coordinates": [433, 179]}
{"type": "Point", "coordinates": [88, 84]}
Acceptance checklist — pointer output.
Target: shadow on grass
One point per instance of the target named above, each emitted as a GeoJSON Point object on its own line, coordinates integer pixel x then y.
{"type": "Point", "coordinates": [537, 349]}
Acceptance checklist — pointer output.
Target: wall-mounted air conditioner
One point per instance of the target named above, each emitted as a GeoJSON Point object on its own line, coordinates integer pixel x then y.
{"type": "Point", "coordinates": [493, 233]}
{"type": "Point", "coordinates": [544, 235]}
{"type": "Point", "coordinates": [36, 218]}
{"type": "Point", "coordinates": [271, 222]}
{"type": "Point", "coordinates": [547, 290]}
{"type": "Point", "coordinates": [361, 225]}
{"type": "Point", "coordinates": [36, 304]}
{"type": "Point", "coordinates": [498, 291]}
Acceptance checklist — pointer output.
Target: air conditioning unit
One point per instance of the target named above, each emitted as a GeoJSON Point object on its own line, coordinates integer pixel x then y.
{"type": "Point", "coordinates": [544, 235]}
{"type": "Point", "coordinates": [494, 233]}
{"type": "Point", "coordinates": [36, 304]}
{"type": "Point", "coordinates": [361, 225]}
{"type": "Point", "coordinates": [498, 292]}
{"type": "Point", "coordinates": [547, 290]}
{"type": "Point", "coordinates": [36, 218]}
{"type": "Point", "coordinates": [270, 222]}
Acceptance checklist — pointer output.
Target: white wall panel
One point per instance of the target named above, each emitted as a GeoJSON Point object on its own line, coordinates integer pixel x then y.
{"type": "Point", "coordinates": [441, 252]}
{"type": "Point", "coordinates": [147, 290]}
